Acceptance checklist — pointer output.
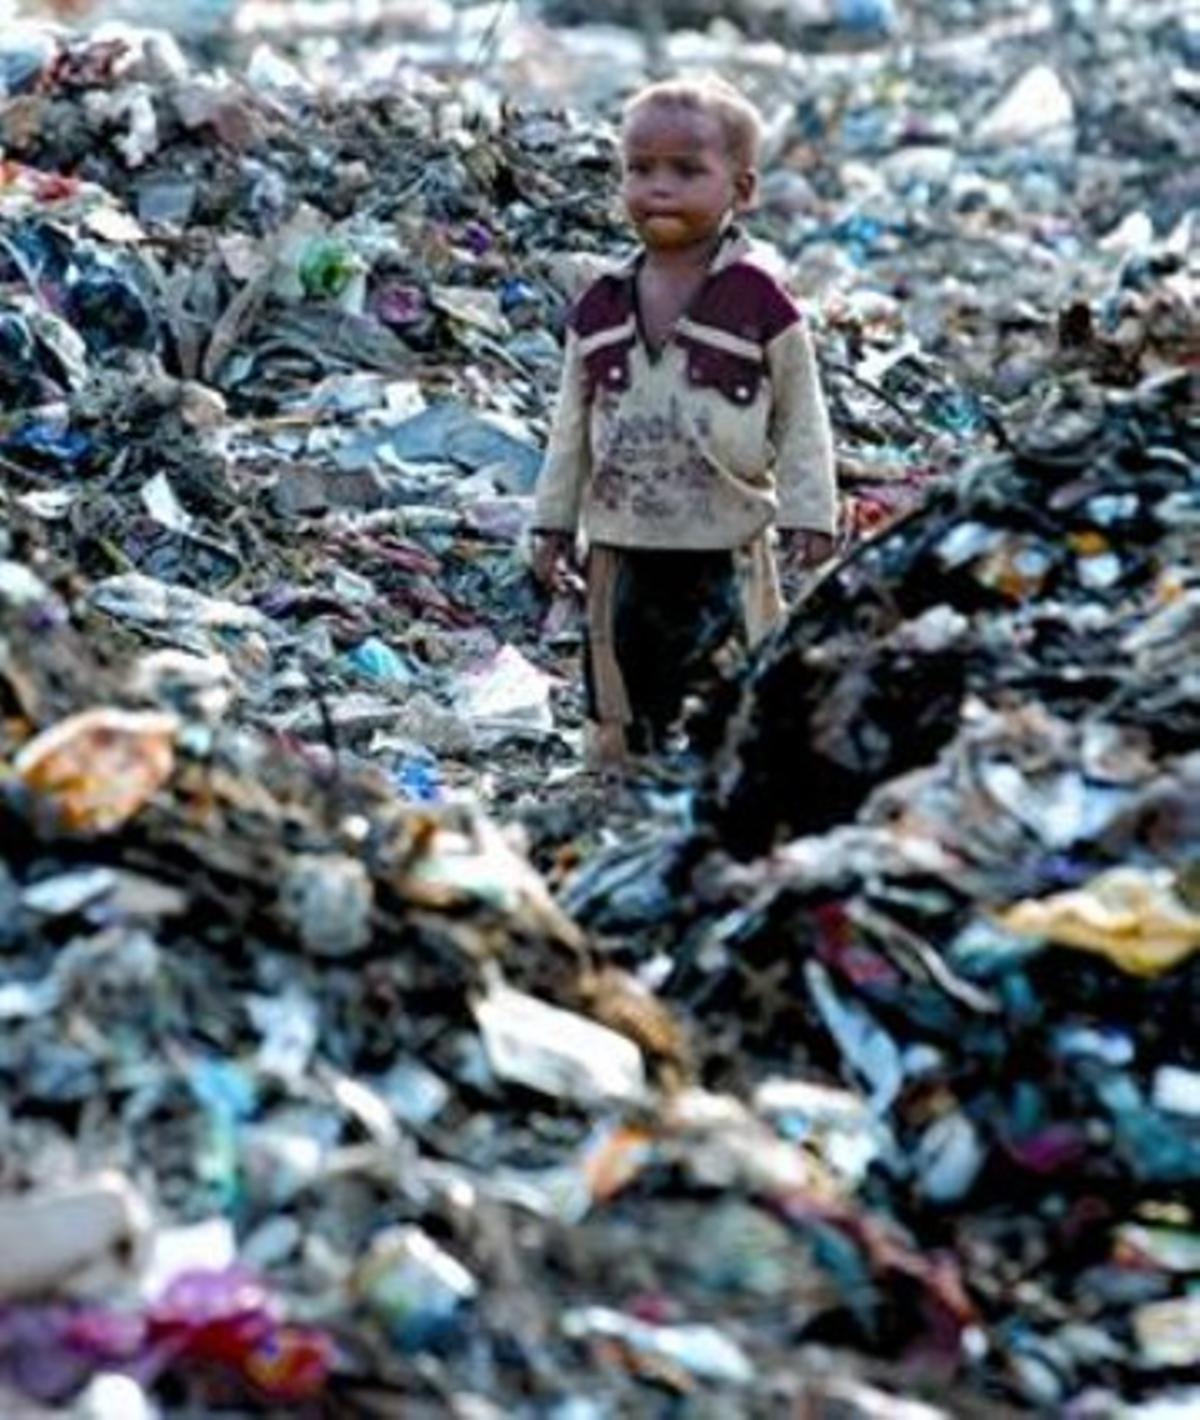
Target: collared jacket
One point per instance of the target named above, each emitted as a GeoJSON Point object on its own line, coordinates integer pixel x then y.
{"type": "Point", "coordinates": [703, 444]}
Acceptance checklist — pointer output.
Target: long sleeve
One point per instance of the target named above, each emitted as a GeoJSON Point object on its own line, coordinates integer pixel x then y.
{"type": "Point", "coordinates": [801, 435]}
{"type": "Point", "coordinates": [568, 455]}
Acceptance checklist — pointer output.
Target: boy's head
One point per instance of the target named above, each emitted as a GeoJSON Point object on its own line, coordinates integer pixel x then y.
{"type": "Point", "coordinates": [690, 150]}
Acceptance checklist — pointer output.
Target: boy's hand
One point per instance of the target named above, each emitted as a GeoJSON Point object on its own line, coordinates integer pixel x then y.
{"type": "Point", "coordinates": [802, 549]}
{"type": "Point", "coordinates": [551, 556]}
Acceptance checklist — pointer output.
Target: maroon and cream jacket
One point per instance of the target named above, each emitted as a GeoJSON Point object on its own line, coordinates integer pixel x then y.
{"type": "Point", "coordinates": [703, 444]}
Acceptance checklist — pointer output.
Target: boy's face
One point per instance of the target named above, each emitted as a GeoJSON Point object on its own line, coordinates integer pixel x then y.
{"type": "Point", "coordinates": [680, 180]}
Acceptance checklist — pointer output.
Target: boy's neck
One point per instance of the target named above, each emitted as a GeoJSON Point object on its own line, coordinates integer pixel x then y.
{"type": "Point", "coordinates": [685, 261]}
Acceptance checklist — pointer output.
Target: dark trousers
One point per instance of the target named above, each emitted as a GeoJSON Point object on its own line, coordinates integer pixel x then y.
{"type": "Point", "coordinates": [672, 612]}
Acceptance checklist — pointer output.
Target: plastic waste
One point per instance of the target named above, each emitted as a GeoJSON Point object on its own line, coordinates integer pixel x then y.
{"type": "Point", "coordinates": [1130, 915]}
{"type": "Point", "coordinates": [838, 1124]}
{"type": "Point", "coordinates": [230, 1320]}
{"type": "Point", "coordinates": [81, 1238]}
{"type": "Point", "coordinates": [106, 306]}
{"type": "Point", "coordinates": [447, 433]}
{"type": "Point", "coordinates": [96, 770]}
{"type": "Point", "coordinates": [1168, 1333]}
{"type": "Point", "coordinates": [866, 16]}
{"type": "Point", "coordinates": [329, 270]}
{"type": "Point", "coordinates": [26, 52]}
{"type": "Point", "coordinates": [166, 201]}
{"type": "Point", "coordinates": [192, 687]}
{"type": "Point", "coordinates": [743, 1252]}
{"type": "Point", "coordinates": [1154, 1144]}
{"type": "Point", "coordinates": [1038, 106]}
{"type": "Point", "coordinates": [328, 902]}
{"type": "Point", "coordinates": [401, 306]}
{"type": "Point", "coordinates": [417, 779]}
{"type": "Point", "coordinates": [20, 587]}
{"type": "Point", "coordinates": [948, 1159]}
{"type": "Point", "coordinates": [1177, 1090]}
{"type": "Point", "coordinates": [114, 1397]}
{"type": "Point", "coordinates": [1171, 1249]}
{"type": "Point", "coordinates": [43, 444]}
{"type": "Point", "coordinates": [555, 1052]}
{"type": "Point", "coordinates": [376, 661]}
{"type": "Point", "coordinates": [415, 1289]}
{"type": "Point", "coordinates": [868, 1049]}
{"type": "Point", "coordinates": [508, 695]}
{"type": "Point", "coordinates": [699, 1351]}
{"type": "Point", "coordinates": [473, 863]}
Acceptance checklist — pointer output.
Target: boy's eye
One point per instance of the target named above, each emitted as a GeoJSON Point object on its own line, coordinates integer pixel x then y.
{"type": "Point", "coordinates": [639, 166]}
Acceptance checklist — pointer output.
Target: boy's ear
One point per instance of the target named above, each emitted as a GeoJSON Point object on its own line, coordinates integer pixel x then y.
{"type": "Point", "coordinates": [745, 189]}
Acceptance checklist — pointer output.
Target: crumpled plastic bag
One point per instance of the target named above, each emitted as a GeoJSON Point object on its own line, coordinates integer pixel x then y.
{"type": "Point", "coordinates": [1130, 915]}
{"type": "Point", "coordinates": [508, 694]}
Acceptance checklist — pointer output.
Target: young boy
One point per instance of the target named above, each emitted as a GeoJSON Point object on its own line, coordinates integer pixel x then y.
{"type": "Point", "coordinates": [690, 422]}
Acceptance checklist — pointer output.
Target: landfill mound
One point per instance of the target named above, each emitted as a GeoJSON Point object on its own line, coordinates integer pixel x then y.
{"type": "Point", "coordinates": [862, 1080]}
{"type": "Point", "coordinates": [259, 428]}
{"type": "Point", "coordinates": [1000, 948]}
{"type": "Point", "coordinates": [292, 350]}
{"type": "Point", "coordinates": [1062, 575]}
{"type": "Point", "coordinates": [213, 952]}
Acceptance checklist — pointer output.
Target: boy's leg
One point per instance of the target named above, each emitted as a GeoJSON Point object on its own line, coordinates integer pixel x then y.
{"type": "Point", "coordinates": [605, 699]}
{"type": "Point", "coordinates": [646, 653]}
{"type": "Point", "coordinates": [672, 611]}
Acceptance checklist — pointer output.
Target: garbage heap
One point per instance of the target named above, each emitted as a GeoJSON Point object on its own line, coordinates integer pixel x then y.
{"type": "Point", "coordinates": [899, 1111]}
{"type": "Point", "coordinates": [277, 364]}
{"type": "Point", "coordinates": [276, 379]}
{"type": "Point", "coordinates": [346, 1112]}
{"type": "Point", "coordinates": [940, 917]}
{"type": "Point", "coordinates": [229, 978]}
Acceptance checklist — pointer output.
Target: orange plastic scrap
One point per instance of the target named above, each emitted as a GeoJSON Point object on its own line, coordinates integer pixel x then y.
{"type": "Point", "coordinates": [100, 767]}
{"type": "Point", "coordinates": [615, 1159]}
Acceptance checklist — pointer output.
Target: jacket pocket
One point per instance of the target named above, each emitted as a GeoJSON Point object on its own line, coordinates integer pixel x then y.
{"type": "Point", "coordinates": [736, 374]}
{"type": "Point", "coordinates": [606, 361]}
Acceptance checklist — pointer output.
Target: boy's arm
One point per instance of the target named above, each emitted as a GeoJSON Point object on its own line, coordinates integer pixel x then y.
{"type": "Point", "coordinates": [568, 454]}
{"type": "Point", "coordinates": [801, 435]}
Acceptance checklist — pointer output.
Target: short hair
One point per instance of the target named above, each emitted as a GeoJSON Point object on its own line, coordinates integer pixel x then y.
{"type": "Point", "coordinates": [740, 120]}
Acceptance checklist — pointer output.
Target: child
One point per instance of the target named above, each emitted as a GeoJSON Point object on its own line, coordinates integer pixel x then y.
{"type": "Point", "coordinates": [690, 421]}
